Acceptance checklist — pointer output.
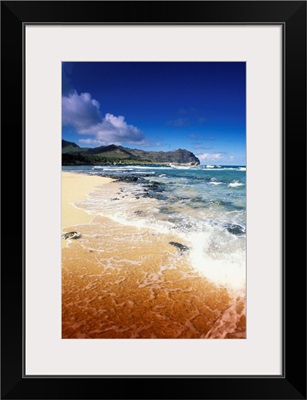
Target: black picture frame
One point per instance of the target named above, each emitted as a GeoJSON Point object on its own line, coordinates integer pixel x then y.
{"type": "Point", "coordinates": [292, 16]}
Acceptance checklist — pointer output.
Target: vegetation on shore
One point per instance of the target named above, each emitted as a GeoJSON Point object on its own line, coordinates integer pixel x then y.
{"type": "Point", "coordinates": [72, 154]}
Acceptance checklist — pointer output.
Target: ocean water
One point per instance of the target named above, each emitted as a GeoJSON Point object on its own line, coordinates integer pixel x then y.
{"type": "Point", "coordinates": [193, 220]}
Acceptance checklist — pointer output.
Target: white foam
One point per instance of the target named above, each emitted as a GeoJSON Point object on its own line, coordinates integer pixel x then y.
{"type": "Point", "coordinates": [235, 184]}
{"type": "Point", "coordinates": [220, 168]}
{"type": "Point", "coordinates": [214, 253]}
{"type": "Point", "coordinates": [182, 166]}
{"type": "Point", "coordinates": [130, 220]}
{"type": "Point", "coordinates": [117, 169]}
{"type": "Point", "coordinates": [127, 168]}
{"type": "Point", "coordinates": [228, 271]}
{"type": "Point", "coordinates": [148, 167]}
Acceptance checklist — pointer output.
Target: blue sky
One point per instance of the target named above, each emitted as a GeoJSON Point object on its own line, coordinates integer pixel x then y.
{"type": "Point", "coordinates": [163, 106]}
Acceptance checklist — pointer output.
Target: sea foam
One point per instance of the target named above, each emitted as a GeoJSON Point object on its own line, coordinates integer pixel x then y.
{"type": "Point", "coordinates": [235, 184]}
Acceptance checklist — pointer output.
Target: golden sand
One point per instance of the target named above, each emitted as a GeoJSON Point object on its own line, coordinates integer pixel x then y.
{"type": "Point", "coordinates": [128, 282]}
{"type": "Point", "coordinates": [75, 187]}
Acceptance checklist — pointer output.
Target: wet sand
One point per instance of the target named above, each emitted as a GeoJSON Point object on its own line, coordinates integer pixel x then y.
{"type": "Point", "coordinates": [128, 282]}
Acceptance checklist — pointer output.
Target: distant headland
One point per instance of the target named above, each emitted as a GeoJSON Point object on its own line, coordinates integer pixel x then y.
{"type": "Point", "coordinates": [72, 154]}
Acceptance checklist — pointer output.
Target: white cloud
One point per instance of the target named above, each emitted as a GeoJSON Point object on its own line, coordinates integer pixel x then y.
{"type": "Point", "coordinates": [93, 142]}
{"type": "Point", "coordinates": [210, 156]}
{"type": "Point", "coordinates": [114, 129]}
{"type": "Point", "coordinates": [82, 113]}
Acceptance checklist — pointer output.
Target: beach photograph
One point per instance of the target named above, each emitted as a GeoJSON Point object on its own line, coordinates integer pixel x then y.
{"type": "Point", "coordinates": [154, 200]}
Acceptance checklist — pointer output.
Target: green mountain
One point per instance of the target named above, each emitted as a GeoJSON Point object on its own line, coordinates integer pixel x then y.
{"type": "Point", "coordinates": [72, 154]}
{"type": "Point", "coordinates": [69, 147]}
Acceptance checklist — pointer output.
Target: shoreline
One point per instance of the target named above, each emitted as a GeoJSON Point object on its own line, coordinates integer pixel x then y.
{"type": "Point", "coordinates": [76, 187]}
{"type": "Point", "coordinates": [128, 281]}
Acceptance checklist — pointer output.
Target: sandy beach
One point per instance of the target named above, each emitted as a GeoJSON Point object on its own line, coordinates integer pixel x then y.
{"type": "Point", "coordinates": [75, 187]}
{"type": "Point", "coordinates": [121, 281]}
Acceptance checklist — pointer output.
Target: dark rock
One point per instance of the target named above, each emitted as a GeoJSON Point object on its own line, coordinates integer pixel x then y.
{"type": "Point", "coordinates": [235, 229]}
{"type": "Point", "coordinates": [71, 235]}
{"type": "Point", "coordinates": [120, 178]}
{"type": "Point", "coordinates": [154, 184]}
{"type": "Point", "coordinates": [179, 246]}
{"type": "Point", "coordinates": [128, 178]}
{"type": "Point", "coordinates": [154, 195]}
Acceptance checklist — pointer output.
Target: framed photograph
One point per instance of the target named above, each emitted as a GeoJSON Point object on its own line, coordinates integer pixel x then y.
{"type": "Point", "coordinates": [149, 226]}
{"type": "Point", "coordinates": [161, 150]}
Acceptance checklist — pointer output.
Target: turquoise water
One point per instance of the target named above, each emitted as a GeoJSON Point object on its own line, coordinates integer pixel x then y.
{"type": "Point", "coordinates": [204, 206]}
